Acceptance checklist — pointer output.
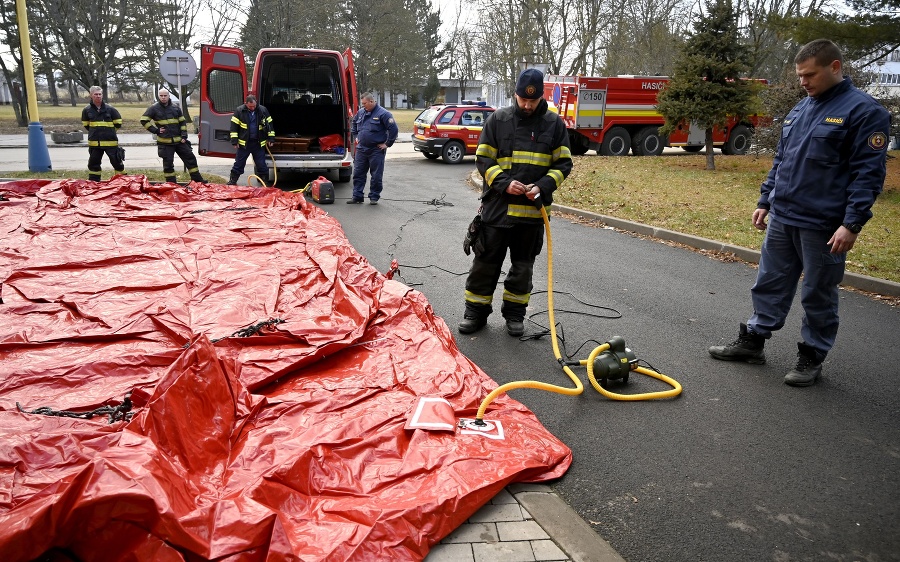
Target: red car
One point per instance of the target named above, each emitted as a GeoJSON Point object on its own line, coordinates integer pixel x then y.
{"type": "Point", "coordinates": [450, 130]}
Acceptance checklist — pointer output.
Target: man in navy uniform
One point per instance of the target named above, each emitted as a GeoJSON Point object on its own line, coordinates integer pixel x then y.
{"type": "Point", "coordinates": [375, 130]}
{"type": "Point", "coordinates": [828, 169]}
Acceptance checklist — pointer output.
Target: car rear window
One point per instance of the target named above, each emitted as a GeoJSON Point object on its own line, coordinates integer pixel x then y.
{"type": "Point", "coordinates": [427, 116]}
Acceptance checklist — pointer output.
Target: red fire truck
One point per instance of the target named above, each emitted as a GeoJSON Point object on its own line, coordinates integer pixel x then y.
{"type": "Point", "coordinates": [613, 115]}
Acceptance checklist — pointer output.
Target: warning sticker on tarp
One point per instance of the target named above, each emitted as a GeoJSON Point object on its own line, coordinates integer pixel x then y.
{"type": "Point", "coordinates": [213, 372]}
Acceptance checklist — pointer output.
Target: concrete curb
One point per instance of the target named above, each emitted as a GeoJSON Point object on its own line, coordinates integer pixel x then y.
{"type": "Point", "coordinates": [567, 529]}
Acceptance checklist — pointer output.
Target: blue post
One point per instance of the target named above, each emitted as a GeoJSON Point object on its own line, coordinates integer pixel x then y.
{"type": "Point", "coordinates": [38, 154]}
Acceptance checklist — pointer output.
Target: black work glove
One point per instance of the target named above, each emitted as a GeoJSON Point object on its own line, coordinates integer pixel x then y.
{"type": "Point", "coordinates": [234, 142]}
{"type": "Point", "coordinates": [473, 237]}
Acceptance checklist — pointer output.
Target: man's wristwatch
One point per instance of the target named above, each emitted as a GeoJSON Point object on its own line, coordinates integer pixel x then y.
{"type": "Point", "coordinates": [853, 227]}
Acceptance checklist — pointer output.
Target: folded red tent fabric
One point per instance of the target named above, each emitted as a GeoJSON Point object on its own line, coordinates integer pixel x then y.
{"type": "Point", "coordinates": [287, 443]}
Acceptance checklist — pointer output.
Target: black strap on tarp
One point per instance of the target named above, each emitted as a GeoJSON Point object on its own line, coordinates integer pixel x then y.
{"type": "Point", "coordinates": [122, 412]}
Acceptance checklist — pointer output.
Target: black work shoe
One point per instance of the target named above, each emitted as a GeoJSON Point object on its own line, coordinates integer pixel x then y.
{"type": "Point", "coordinates": [515, 328]}
{"type": "Point", "coordinates": [471, 325]}
{"type": "Point", "coordinates": [354, 201]}
{"type": "Point", "coordinates": [808, 369]}
{"type": "Point", "coordinates": [747, 347]}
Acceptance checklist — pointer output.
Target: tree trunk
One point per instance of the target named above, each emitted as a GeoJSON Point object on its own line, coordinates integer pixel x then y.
{"type": "Point", "coordinates": [710, 158]}
{"type": "Point", "coordinates": [51, 87]}
{"type": "Point", "coordinates": [73, 93]}
{"type": "Point", "coordinates": [20, 105]}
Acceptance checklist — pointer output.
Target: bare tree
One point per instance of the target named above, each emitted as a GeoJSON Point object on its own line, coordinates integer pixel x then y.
{"type": "Point", "coordinates": [645, 38]}
{"type": "Point", "coordinates": [91, 36]}
{"type": "Point", "coordinates": [225, 17]}
{"type": "Point", "coordinates": [14, 76]}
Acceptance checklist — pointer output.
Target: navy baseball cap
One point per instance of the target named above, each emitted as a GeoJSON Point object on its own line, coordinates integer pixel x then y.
{"type": "Point", "coordinates": [530, 84]}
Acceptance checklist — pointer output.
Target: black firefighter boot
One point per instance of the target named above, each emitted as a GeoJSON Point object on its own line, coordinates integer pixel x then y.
{"type": "Point", "coordinates": [234, 178]}
{"type": "Point", "coordinates": [171, 179]}
{"type": "Point", "coordinates": [195, 176]}
{"type": "Point", "coordinates": [809, 366]}
{"type": "Point", "coordinates": [747, 347]}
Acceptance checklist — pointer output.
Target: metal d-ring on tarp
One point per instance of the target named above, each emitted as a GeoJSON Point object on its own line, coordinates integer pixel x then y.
{"type": "Point", "coordinates": [122, 412]}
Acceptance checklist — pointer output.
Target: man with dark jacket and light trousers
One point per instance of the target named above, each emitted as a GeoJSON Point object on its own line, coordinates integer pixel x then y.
{"type": "Point", "coordinates": [166, 120]}
{"type": "Point", "coordinates": [523, 154]}
{"type": "Point", "coordinates": [375, 130]}
{"type": "Point", "coordinates": [828, 169]}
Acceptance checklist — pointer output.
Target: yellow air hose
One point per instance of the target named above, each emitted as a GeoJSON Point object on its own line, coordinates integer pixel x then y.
{"type": "Point", "coordinates": [589, 362]}
{"type": "Point", "coordinates": [274, 168]}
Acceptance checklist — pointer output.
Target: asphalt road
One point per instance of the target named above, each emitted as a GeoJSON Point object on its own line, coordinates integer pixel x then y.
{"type": "Point", "coordinates": [740, 467]}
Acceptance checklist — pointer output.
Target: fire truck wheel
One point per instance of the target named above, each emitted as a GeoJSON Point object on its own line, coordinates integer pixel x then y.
{"type": "Point", "coordinates": [739, 141]}
{"type": "Point", "coordinates": [648, 142]}
{"type": "Point", "coordinates": [453, 153]}
{"type": "Point", "coordinates": [617, 142]}
{"type": "Point", "coordinates": [431, 155]}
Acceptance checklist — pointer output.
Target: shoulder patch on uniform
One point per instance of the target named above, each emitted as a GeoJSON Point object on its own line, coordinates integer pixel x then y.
{"type": "Point", "coordinates": [878, 140]}
{"type": "Point", "coordinates": [391, 120]}
{"type": "Point", "coordinates": [835, 120]}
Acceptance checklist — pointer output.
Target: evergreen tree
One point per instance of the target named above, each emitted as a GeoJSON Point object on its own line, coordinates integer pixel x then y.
{"type": "Point", "coordinates": [708, 84]}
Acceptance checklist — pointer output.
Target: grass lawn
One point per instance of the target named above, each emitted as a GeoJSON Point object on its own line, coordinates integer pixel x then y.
{"type": "Point", "coordinates": [678, 193]}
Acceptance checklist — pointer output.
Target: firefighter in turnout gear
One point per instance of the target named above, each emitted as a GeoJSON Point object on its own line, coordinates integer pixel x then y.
{"type": "Point", "coordinates": [166, 120]}
{"type": "Point", "coordinates": [101, 121]}
{"type": "Point", "coordinates": [251, 132]}
{"type": "Point", "coordinates": [523, 154]}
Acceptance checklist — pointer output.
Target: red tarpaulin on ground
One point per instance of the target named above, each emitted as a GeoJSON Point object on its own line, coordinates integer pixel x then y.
{"type": "Point", "coordinates": [288, 443]}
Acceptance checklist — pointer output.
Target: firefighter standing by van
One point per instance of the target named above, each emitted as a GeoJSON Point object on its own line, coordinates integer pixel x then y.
{"type": "Point", "coordinates": [166, 120]}
{"type": "Point", "coordinates": [102, 121]}
{"type": "Point", "coordinates": [523, 153]}
{"type": "Point", "coordinates": [251, 132]}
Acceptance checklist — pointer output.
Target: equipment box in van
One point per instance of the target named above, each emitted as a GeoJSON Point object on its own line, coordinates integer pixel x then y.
{"type": "Point", "coordinates": [311, 95]}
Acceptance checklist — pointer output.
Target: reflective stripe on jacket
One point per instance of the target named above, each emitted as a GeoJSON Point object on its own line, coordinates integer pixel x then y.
{"type": "Point", "coordinates": [533, 150]}
{"type": "Point", "coordinates": [241, 119]}
{"type": "Point", "coordinates": [168, 116]}
{"type": "Point", "coordinates": [101, 124]}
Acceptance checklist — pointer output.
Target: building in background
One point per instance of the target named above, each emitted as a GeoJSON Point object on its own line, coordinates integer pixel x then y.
{"type": "Point", "coordinates": [450, 92]}
{"type": "Point", "coordinates": [886, 87]}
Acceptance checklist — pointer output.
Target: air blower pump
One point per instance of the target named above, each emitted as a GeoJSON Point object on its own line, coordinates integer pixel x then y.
{"type": "Point", "coordinates": [322, 190]}
{"type": "Point", "coordinates": [614, 363]}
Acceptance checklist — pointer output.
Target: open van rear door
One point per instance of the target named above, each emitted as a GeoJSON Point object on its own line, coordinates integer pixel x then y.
{"type": "Point", "coordinates": [352, 97]}
{"type": "Point", "coordinates": [223, 85]}
{"type": "Point", "coordinates": [350, 80]}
